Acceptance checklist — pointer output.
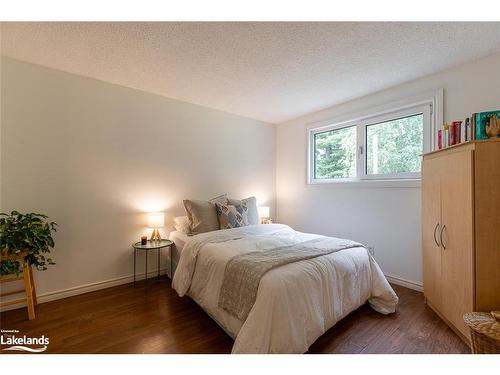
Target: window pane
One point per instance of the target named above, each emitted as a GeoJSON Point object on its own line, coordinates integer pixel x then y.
{"type": "Point", "coordinates": [395, 146]}
{"type": "Point", "coordinates": [335, 153]}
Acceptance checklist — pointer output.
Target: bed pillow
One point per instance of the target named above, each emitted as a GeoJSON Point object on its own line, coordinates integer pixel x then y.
{"type": "Point", "coordinates": [181, 224]}
{"type": "Point", "coordinates": [202, 215]}
{"type": "Point", "coordinates": [232, 216]}
{"type": "Point", "coordinates": [251, 204]}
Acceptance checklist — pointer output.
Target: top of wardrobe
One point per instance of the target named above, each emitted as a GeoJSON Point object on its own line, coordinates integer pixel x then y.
{"type": "Point", "coordinates": [470, 145]}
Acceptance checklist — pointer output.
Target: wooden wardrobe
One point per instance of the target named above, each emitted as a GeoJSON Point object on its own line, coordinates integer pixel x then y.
{"type": "Point", "coordinates": [461, 230]}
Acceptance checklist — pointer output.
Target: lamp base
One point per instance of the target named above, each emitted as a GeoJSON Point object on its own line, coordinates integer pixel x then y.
{"type": "Point", "coordinates": [155, 236]}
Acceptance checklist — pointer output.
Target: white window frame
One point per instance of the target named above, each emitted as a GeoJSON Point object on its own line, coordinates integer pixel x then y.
{"type": "Point", "coordinates": [312, 159]}
{"type": "Point", "coordinates": [425, 110]}
{"type": "Point", "coordinates": [430, 107]}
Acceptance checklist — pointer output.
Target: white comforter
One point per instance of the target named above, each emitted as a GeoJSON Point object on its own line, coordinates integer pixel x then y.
{"type": "Point", "coordinates": [295, 303]}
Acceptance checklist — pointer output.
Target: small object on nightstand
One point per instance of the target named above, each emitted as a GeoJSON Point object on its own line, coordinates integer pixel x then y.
{"type": "Point", "coordinates": [144, 240]}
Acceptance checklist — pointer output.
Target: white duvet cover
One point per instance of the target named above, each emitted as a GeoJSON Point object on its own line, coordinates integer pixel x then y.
{"type": "Point", "coordinates": [295, 303]}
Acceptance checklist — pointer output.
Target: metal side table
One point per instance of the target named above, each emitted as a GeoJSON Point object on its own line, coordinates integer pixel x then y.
{"type": "Point", "coordinates": [150, 246]}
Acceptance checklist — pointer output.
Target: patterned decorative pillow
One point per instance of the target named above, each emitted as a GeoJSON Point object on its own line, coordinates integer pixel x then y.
{"type": "Point", "coordinates": [231, 216]}
{"type": "Point", "coordinates": [251, 204]}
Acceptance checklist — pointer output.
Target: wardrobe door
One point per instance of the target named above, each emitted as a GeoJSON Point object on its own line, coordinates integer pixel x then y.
{"type": "Point", "coordinates": [456, 236]}
{"type": "Point", "coordinates": [487, 225]}
{"type": "Point", "coordinates": [431, 227]}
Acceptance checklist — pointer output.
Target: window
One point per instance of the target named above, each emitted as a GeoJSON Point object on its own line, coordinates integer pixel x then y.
{"type": "Point", "coordinates": [395, 146]}
{"type": "Point", "coordinates": [387, 146]}
{"type": "Point", "coordinates": [335, 153]}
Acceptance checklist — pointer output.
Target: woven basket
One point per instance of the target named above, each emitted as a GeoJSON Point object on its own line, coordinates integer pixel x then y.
{"type": "Point", "coordinates": [485, 332]}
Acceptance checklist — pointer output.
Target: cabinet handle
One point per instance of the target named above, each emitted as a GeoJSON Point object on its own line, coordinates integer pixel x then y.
{"type": "Point", "coordinates": [441, 237]}
{"type": "Point", "coordinates": [435, 240]}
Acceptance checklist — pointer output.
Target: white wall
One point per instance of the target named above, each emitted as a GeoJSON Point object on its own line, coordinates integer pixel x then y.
{"type": "Point", "coordinates": [95, 156]}
{"type": "Point", "coordinates": [387, 218]}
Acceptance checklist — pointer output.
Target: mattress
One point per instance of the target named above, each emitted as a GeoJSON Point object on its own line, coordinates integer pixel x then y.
{"type": "Point", "coordinates": [179, 239]}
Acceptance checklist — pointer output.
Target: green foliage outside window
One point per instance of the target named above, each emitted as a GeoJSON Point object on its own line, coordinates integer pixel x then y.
{"type": "Point", "coordinates": [392, 147]}
{"type": "Point", "coordinates": [335, 153]}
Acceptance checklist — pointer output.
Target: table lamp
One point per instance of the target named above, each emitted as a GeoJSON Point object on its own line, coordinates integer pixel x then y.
{"type": "Point", "coordinates": [156, 220]}
{"type": "Point", "coordinates": [263, 214]}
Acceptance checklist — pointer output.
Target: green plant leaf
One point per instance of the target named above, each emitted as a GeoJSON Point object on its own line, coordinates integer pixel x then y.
{"type": "Point", "coordinates": [30, 233]}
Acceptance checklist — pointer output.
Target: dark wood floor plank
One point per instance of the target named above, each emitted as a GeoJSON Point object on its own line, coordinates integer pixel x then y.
{"type": "Point", "coordinates": [153, 319]}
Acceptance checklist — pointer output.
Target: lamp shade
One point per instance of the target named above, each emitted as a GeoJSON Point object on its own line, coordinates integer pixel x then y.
{"type": "Point", "coordinates": [156, 219]}
{"type": "Point", "coordinates": [263, 211]}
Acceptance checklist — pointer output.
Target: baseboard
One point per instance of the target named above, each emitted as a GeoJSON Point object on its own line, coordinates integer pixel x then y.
{"type": "Point", "coordinates": [406, 283]}
{"type": "Point", "coordinates": [86, 288]}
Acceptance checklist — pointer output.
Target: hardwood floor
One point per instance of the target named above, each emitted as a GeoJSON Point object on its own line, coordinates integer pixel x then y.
{"type": "Point", "coordinates": [154, 319]}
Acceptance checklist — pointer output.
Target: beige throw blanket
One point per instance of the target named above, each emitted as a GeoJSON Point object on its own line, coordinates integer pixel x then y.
{"type": "Point", "coordinates": [243, 272]}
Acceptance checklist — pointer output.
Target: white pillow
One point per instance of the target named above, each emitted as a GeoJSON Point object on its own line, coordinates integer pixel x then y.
{"type": "Point", "coordinates": [181, 224]}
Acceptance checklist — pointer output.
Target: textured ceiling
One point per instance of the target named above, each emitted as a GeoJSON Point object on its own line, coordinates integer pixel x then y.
{"type": "Point", "coordinates": [267, 71]}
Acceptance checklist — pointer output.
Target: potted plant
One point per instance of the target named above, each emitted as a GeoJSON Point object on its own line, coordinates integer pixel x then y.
{"type": "Point", "coordinates": [25, 238]}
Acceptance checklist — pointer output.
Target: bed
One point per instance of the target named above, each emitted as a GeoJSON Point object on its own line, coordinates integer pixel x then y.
{"type": "Point", "coordinates": [179, 239]}
{"type": "Point", "coordinates": [295, 303]}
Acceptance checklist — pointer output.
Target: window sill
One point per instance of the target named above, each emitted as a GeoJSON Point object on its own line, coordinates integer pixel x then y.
{"type": "Point", "coordinates": [413, 183]}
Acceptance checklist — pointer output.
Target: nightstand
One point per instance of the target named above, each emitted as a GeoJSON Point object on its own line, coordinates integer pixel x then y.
{"type": "Point", "coordinates": [151, 246]}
